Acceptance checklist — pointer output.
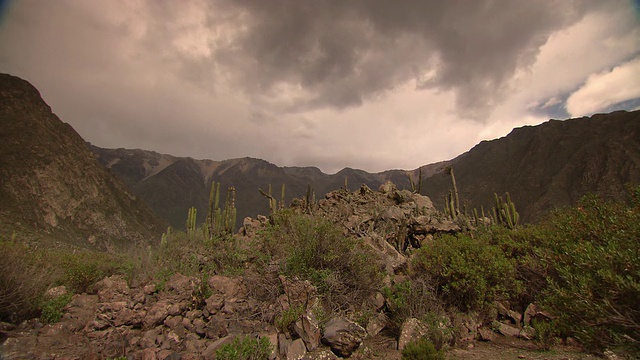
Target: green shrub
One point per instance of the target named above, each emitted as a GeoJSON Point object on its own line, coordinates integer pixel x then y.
{"type": "Point", "coordinates": [469, 273]}
{"type": "Point", "coordinates": [412, 299]}
{"type": "Point", "coordinates": [83, 269]}
{"type": "Point", "coordinates": [289, 317]}
{"type": "Point", "coordinates": [312, 248]}
{"type": "Point", "coordinates": [245, 348]}
{"type": "Point", "coordinates": [594, 255]}
{"type": "Point", "coordinates": [52, 310]}
{"type": "Point", "coordinates": [421, 349]}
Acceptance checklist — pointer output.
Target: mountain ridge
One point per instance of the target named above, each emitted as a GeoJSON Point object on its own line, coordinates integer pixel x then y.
{"type": "Point", "coordinates": [491, 166]}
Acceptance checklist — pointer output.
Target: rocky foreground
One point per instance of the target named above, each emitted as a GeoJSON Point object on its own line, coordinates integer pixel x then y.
{"type": "Point", "coordinates": [191, 318]}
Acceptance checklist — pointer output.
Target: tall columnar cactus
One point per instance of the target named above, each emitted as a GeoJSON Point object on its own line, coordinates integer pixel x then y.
{"type": "Point", "coordinates": [455, 192]}
{"type": "Point", "coordinates": [229, 213]}
{"type": "Point", "coordinates": [309, 200]}
{"type": "Point", "coordinates": [504, 213]}
{"type": "Point", "coordinates": [273, 203]}
{"type": "Point", "coordinates": [212, 211]}
{"type": "Point", "coordinates": [416, 188]}
{"type": "Point", "coordinates": [191, 222]}
{"type": "Point", "coordinates": [220, 221]}
{"type": "Point", "coordinates": [282, 202]}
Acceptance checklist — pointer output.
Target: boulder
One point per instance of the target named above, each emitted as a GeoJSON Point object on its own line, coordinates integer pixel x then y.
{"type": "Point", "coordinates": [113, 288]}
{"type": "Point", "coordinates": [486, 334]}
{"type": "Point", "coordinates": [296, 350]}
{"type": "Point", "coordinates": [508, 330]}
{"type": "Point", "coordinates": [309, 331]}
{"type": "Point", "coordinates": [156, 315]}
{"type": "Point", "coordinates": [228, 287]}
{"type": "Point", "coordinates": [343, 336]}
{"type": "Point", "coordinates": [182, 285]}
{"type": "Point", "coordinates": [377, 323]}
{"type": "Point", "coordinates": [411, 330]}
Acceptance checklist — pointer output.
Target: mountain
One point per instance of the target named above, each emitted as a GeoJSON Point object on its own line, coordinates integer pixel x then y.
{"type": "Point", "coordinates": [52, 186]}
{"type": "Point", "coordinates": [542, 167]}
{"type": "Point", "coordinates": [170, 185]}
{"type": "Point", "coordinates": [549, 165]}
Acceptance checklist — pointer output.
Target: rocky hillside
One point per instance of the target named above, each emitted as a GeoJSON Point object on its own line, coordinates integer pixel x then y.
{"type": "Point", "coordinates": [547, 166]}
{"type": "Point", "coordinates": [52, 185]}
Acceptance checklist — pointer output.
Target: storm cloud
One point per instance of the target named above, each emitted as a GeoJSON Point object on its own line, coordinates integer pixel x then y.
{"type": "Point", "coordinates": [368, 84]}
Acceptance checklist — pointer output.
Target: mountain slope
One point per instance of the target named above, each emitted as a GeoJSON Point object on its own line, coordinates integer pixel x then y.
{"type": "Point", "coordinates": [50, 183]}
{"type": "Point", "coordinates": [549, 165]}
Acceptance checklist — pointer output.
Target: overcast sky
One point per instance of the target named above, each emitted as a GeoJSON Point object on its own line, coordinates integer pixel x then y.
{"type": "Point", "coordinates": [369, 84]}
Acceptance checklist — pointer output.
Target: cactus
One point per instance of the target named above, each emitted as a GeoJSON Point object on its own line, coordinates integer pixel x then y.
{"type": "Point", "coordinates": [273, 203]}
{"type": "Point", "coordinates": [310, 200]}
{"type": "Point", "coordinates": [282, 203]}
{"type": "Point", "coordinates": [455, 192]}
{"type": "Point", "coordinates": [504, 213]}
{"type": "Point", "coordinates": [229, 213]}
{"type": "Point", "coordinates": [220, 221]}
{"type": "Point", "coordinates": [212, 213]}
{"type": "Point", "coordinates": [164, 241]}
{"type": "Point", "coordinates": [414, 188]}
{"type": "Point", "coordinates": [191, 222]}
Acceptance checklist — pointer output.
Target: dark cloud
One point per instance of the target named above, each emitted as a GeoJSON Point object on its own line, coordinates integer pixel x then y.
{"type": "Point", "coordinates": [344, 52]}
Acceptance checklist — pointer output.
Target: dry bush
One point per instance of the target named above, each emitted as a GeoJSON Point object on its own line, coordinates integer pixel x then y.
{"type": "Point", "coordinates": [24, 277]}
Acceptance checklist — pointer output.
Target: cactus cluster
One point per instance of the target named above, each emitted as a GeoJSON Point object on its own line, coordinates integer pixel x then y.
{"type": "Point", "coordinates": [274, 205]}
{"type": "Point", "coordinates": [309, 200]}
{"type": "Point", "coordinates": [504, 212]}
{"type": "Point", "coordinates": [191, 222]}
{"type": "Point", "coordinates": [220, 221]}
{"type": "Point", "coordinates": [416, 188]}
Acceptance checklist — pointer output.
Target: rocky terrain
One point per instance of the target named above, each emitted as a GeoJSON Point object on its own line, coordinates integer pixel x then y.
{"type": "Point", "coordinates": [180, 320]}
{"type": "Point", "coordinates": [52, 185]}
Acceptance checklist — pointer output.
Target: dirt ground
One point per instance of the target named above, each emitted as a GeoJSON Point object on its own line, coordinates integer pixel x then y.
{"type": "Point", "coordinates": [503, 348]}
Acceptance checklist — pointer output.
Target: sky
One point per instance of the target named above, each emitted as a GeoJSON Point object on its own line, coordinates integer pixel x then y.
{"type": "Point", "coordinates": [372, 85]}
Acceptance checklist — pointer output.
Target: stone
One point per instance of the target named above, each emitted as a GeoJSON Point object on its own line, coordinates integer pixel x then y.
{"type": "Point", "coordinates": [215, 330]}
{"type": "Point", "coordinates": [486, 334]}
{"type": "Point", "coordinates": [283, 345]}
{"type": "Point", "coordinates": [296, 350]}
{"type": "Point", "coordinates": [182, 285]}
{"type": "Point", "coordinates": [149, 289]}
{"type": "Point", "coordinates": [508, 330]}
{"type": "Point", "coordinates": [210, 352]}
{"type": "Point", "coordinates": [391, 258]}
{"type": "Point", "coordinates": [149, 354]}
{"type": "Point", "coordinates": [113, 288]}
{"type": "Point", "coordinates": [394, 213]}
{"type": "Point", "coordinates": [309, 331]}
{"type": "Point", "coordinates": [411, 329]}
{"type": "Point", "coordinates": [229, 287]}
{"type": "Point", "coordinates": [376, 324]}
{"type": "Point", "coordinates": [156, 315]}
{"type": "Point", "coordinates": [320, 354]}
{"type": "Point", "coordinates": [298, 292]}
{"type": "Point", "coordinates": [168, 355]}
{"type": "Point", "coordinates": [343, 336]}
{"type": "Point", "coordinates": [56, 292]}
